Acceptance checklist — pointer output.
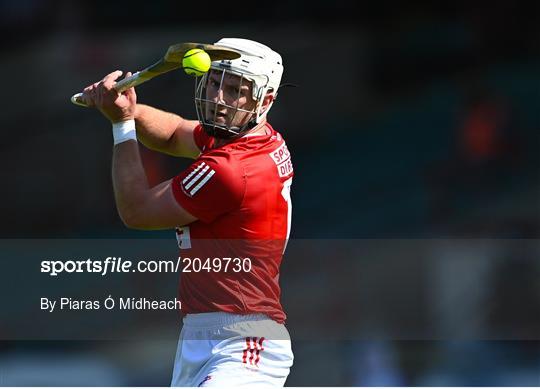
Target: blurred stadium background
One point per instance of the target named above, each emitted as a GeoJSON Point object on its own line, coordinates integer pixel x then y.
{"type": "Point", "coordinates": [411, 121]}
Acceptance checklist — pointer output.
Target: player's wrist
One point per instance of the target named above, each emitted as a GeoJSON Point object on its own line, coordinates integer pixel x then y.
{"type": "Point", "coordinates": [124, 131]}
{"type": "Point", "coordinates": [138, 111]}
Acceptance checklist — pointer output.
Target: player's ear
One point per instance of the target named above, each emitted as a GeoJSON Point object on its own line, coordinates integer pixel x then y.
{"type": "Point", "coordinates": [268, 99]}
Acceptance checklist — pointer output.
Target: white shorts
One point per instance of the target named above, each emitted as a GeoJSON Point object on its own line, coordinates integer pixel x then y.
{"type": "Point", "coordinates": [223, 349]}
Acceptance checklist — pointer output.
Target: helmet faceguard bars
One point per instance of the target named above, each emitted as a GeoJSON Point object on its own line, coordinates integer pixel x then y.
{"type": "Point", "coordinates": [258, 64]}
{"type": "Point", "coordinates": [208, 109]}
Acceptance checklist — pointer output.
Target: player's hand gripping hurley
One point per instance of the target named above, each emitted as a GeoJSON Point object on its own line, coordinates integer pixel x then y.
{"type": "Point", "coordinates": [171, 61]}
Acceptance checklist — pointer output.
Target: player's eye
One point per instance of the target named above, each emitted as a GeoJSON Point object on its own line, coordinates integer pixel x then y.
{"type": "Point", "coordinates": [231, 91]}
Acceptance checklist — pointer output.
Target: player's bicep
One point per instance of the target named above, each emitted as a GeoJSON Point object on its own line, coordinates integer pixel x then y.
{"type": "Point", "coordinates": [160, 210]}
{"type": "Point", "coordinates": [183, 142]}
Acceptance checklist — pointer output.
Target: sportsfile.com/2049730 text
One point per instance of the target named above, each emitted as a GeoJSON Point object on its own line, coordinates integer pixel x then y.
{"type": "Point", "coordinates": [112, 265]}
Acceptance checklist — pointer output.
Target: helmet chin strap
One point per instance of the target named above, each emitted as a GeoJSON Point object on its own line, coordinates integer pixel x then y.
{"type": "Point", "coordinates": [227, 133]}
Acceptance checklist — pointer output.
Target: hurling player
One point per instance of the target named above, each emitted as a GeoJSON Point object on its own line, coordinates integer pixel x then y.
{"type": "Point", "coordinates": [231, 210]}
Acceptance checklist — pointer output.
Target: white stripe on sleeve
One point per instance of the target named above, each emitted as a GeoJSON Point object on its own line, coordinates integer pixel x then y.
{"type": "Point", "coordinates": [204, 181]}
{"type": "Point", "coordinates": [197, 177]}
{"type": "Point", "coordinates": [193, 172]}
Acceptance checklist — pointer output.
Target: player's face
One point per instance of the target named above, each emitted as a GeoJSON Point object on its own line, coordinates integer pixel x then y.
{"type": "Point", "coordinates": [230, 93]}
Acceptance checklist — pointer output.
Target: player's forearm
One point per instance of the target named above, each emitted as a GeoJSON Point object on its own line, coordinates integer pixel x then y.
{"type": "Point", "coordinates": [155, 128]}
{"type": "Point", "coordinates": [129, 181]}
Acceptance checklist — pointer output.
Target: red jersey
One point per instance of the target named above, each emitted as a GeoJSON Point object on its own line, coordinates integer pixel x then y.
{"type": "Point", "coordinates": [240, 194]}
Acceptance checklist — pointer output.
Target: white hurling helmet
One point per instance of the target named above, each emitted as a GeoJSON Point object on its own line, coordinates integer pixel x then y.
{"type": "Point", "coordinates": [258, 64]}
